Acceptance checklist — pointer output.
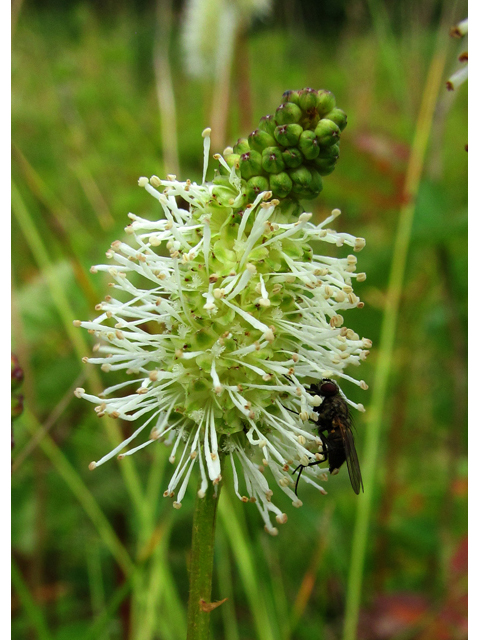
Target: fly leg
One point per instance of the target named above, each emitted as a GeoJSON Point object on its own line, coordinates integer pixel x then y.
{"type": "Point", "coordinates": [301, 467]}
{"type": "Point", "coordinates": [312, 464]}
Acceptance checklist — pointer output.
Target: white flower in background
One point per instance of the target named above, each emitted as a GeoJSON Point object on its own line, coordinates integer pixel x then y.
{"type": "Point", "coordinates": [210, 28]}
{"type": "Point", "coordinates": [222, 314]}
{"type": "Point", "coordinates": [461, 75]}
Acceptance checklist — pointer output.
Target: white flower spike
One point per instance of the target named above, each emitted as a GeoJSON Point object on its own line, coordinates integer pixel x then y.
{"type": "Point", "coordinates": [223, 315]}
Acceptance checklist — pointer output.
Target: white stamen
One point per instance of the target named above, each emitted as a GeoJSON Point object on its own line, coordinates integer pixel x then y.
{"type": "Point", "coordinates": [206, 151]}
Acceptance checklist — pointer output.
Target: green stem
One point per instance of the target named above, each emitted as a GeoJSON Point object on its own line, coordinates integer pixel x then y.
{"type": "Point", "coordinates": [201, 564]}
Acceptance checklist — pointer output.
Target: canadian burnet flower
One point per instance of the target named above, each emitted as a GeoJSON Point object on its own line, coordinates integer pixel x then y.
{"type": "Point", "coordinates": [222, 314]}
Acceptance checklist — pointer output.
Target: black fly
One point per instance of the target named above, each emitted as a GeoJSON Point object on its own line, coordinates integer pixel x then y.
{"type": "Point", "coordinates": [338, 444]}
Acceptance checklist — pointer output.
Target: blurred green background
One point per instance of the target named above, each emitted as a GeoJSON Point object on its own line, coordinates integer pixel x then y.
{"type": "Point", "coordinates": [101, 94]}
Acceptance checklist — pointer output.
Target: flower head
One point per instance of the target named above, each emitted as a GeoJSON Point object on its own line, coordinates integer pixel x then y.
{"type": "Point", "coordinates": [222, 314]}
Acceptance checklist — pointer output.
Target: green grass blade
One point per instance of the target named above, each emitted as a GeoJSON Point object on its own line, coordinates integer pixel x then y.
{"type": "Point", "coordinates": [32, 609]}
{"type": "Point", "coordinates": [225, 583]}
{"type": "Point", "coordinates": [155, 599]}
{"type": "Point", "coordinates": [39, 251]}
{"type": "Point", "coordinates": [245, 561]}
{"type": "Point", "coordinates": [387, 340]}
{"type": "Point", "coordinates": [97, 630]}
{"type": "Point", "coordinates": [389, 53]}
{"type": "Point", "coordinates": [280, 602]}
{"type": "Point", "coordinates": [155, 592]}
{"type": "Point", "coordinates": [172, 618]}
{"type": "Point", "coordinates": [164, 86]}
{"type": "Point", "coordinates": [81, 492]}
{"type": "Point", "coordinates": [62, 304]}
{"type": "Point", "coordinates": [95, 580]}
{"type": "Point", "coordinates": [154, 484]}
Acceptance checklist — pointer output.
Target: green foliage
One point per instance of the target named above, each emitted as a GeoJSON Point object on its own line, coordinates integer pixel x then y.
{"type": "Point", "coordinates": [99, 553]}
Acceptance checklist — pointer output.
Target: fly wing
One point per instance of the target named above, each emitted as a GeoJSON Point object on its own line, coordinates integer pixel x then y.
{"type": "Point", "coordinates": [353, 464]}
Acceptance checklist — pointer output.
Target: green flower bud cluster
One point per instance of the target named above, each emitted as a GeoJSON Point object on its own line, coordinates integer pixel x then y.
{"type": "Point", "coordinates": [290, 151]}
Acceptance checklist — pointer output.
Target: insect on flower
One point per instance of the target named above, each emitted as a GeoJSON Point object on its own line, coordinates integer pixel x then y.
{"type": "Point", "coordinates": [338, 445]}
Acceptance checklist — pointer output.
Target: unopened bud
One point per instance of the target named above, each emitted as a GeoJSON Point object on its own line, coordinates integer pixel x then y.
{"type": "Point", "coordinates": [291, 96]}
{"type": "Point", "coordinates": [288, 135]}
{"type": "Point", "coordinates": [288, 113]}
{"type": "Point", "coordinates": [232, 160]}
{"type": "Point", "coordinates": [324, 166]}
{"type": "Point", "coordinates": [242, 146]}
{"type": "Point", "coordinates": [327, 132]}
{"type": "Point", "coordinates": [338, 116]}
{"type": "Point", "coordinates": [250, 164]}
{"type": "Point", "coordinates": [259, 140]}
{"type": "Point", "coordinates": [308, 99]}
{"type": "Point", "coordinates": [256, 185]}
{"type": "Point", "coordinates": [272, 160]}
{"type": "Point", "coordinates": [267, 124]}
{"type": "Point", "coordinates": [325, 102]}
{"type": "Point", "coordinates": [280, 184]}
{"type": "Point", "coordinates": [308, 145]}
{"type": "Point", "coordinates": [292, 157]}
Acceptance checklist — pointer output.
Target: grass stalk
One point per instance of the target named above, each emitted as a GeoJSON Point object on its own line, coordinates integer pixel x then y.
{"type": "Point", "coordinates": [162, 605]}
{"type": "Point", "coordinates": [60, 299]}
{"type": "Point", "coordinates": [280, 602]}
{"type": "Point", "coordinates": [243, 82]}
{"type": "Point", "coordinates": [164, 84]}
{"type": "Point", "coordinates": [221, 90]}
{"type": "Point", "coordinates": [98, 628]}
{"type": "Point", "coordinates": [95, 580]}
{"type": "Point", "coordinates": [238, 540]}
{"type": "Point", "coordinates": [225, 584]}
{"type": "Point", "coordinates": [387, 338]}
{"type": "Point", "coordinates": [93, 194]}
{"type": "Point", "coordinates": [32, 609]}
{"type": "Point", "coordinates": [149, 536]}
{"type": "Point", "coordinates": [172, 612]}
{"type": "Point", "coordinates": [155, 479]}
{"type": "Point", "coordinates": [146, 629]}
{"type": "Point", "coordinates": [389, 52]}
{"type": "Point", "coordinates": [52, 418]}
{"type": "Point", "coordinates": [81, 492]}
{"type": "Point", "coordinates": [70, 228]}
{"type": "Point", "coordinates": [308, 583]}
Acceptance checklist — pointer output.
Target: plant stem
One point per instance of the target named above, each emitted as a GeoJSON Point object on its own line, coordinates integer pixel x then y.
{"type": "Point", "coordinates": [201, 563]}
